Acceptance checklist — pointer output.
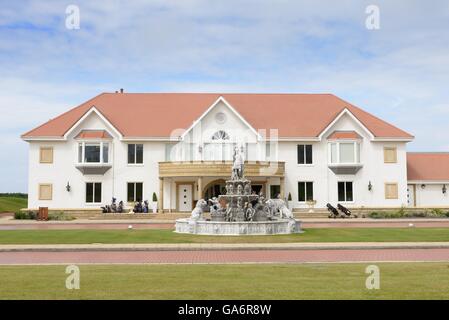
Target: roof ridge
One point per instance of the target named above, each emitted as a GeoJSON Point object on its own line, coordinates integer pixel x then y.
{"type": "Point", "coordinates": [224, 93]}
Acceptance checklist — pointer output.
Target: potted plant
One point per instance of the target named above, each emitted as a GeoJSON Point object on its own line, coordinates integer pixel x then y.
{"type": "Point", "coordinates": [289, 199]}
{"type": "Point", "coordinates": [154, 203]}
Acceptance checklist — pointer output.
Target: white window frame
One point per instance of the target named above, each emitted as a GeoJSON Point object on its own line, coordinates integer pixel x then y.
{"type": "Point", "coordinates": [357, 149]}
{"type": "Point", "coordinates": [305, 155]}
{"type": "Point", "coordinates": [134, 183]}
{"type": "Point", "coordinates": [135, 155]}
{"type": "Point", "coordinates": [93, 203]}
{"type": "Point", "coordinates": [305, 190]}
{"type": "Point", "coordinates": [83, 148]}
{"type": "Point", "coordinates": [353, 193]}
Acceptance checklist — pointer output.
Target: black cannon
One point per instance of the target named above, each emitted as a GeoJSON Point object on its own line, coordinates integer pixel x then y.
{"type": "Point", "coordinates": [333, 212]}
{"type": "Point", "coordinates": [346, 211]}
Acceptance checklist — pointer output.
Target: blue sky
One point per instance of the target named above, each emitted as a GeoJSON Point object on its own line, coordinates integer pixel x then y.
{"type": "Point", "coordinates": [399, 72]}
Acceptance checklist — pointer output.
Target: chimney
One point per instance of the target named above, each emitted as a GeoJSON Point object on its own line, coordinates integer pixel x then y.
{"type": "Point", "coordinates": [121, 90]}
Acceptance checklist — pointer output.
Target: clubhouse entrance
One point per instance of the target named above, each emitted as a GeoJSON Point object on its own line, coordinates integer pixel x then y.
{"type": "Point", "coordinates": [182, 184]}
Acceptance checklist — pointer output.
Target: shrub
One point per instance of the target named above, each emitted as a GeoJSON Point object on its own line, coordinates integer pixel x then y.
{"type": "Point", "coordinates": [60, 216]}
{"type": "Point", "coordinates": [401, 212]}
{"type": "Point", "coordinates": [289, 198]}
{"type": "Point", "coordinates": [25, 215]}
{"type": "Point", "coordinates": [19, 215]}
{"type": "Point", "coordinates": [32, 215]}
{"type": "Point", "coordinates": [416, 214]}
{"type": "Point", "coordinates": [154, 197]}
{"type": "Point", "coordinates": [380, 214]}
{"type": "Point", "coordinates": [437, 212]}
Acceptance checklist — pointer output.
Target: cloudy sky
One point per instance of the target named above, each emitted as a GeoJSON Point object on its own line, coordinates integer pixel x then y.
{"type": "Point", "coordinates": [399, 72]}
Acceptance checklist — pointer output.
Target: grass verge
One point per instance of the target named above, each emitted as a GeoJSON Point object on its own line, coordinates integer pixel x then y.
{"type": "Point", "coordinates": [305, 281]}
{"type": "Point", "coordinates": [168, 236]}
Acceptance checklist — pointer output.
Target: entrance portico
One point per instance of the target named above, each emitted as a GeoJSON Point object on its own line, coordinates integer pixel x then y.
{"type": "Point", "coordinates": [205, 177]}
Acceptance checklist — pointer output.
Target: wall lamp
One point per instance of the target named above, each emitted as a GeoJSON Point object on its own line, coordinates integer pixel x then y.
{"type": "Point", "coordinates": [423, 186]}
{"type": "Point", "coordinates": [68, 187]}
{"type": "Point", "coordinates": [444, 189]}
{"type": "Point", "coordinates": [370, 186]}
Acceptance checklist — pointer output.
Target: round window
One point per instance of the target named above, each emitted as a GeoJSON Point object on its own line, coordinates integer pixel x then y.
{"type": "Point", "coordinates": [220, 117]}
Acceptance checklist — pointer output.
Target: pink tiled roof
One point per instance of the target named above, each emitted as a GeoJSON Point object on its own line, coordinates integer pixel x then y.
{"type": "Point", "coordinates": [428, 166]}
{"type": "Point", "coordinates": [158, 114]}
{"type": "Point", "coordinates": [93, 134]}
{"type": "Point", "coordinates": [342, 135]}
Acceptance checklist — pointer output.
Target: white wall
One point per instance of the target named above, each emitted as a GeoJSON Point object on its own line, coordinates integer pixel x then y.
{"type": "Point", "coordinates": [325, 180]}
{"type": "Point", "coordinates": [114, 181]}
{"type": "Point", "coordinates": [432, 195]}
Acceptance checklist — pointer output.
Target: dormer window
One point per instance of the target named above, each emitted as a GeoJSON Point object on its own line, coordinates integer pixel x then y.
{"type": "Point", "coordinates": [347, 152]}
{"type": "Point", "coordinates": [93, 146]}
{"type": "Point", "coordinates": [344, 152]}
{"type": "Point", "coordinates": [93, 152]}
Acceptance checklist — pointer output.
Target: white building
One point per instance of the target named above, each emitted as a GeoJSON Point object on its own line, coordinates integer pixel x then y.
{"type": "Point", "coordinates": [316, 147]}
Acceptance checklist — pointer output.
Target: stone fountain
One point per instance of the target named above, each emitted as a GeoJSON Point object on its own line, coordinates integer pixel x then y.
{"type": "Point", "coordinates": [240, 211]}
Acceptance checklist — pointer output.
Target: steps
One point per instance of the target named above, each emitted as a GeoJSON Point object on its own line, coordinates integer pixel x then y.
{"type": "Point", "coordinates": [137, 216]}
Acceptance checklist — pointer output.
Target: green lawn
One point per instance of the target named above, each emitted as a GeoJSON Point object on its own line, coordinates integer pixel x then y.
{"type": "Point", "coordinates": [168, 236]}
{"type": "Point", "coordinates": [12, 204]}
{"type": "Point", "coordinates": [305, 281]}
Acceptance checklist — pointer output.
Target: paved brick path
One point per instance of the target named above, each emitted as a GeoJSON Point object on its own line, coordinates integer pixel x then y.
{"type": "Point", "coordinates": [169, 225]}
{"type": "Point", "coordinates": [225, 256]}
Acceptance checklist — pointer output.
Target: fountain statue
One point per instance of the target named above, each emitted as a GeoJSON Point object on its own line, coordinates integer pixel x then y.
{"type": "Point", "coordinates": [240, 210]}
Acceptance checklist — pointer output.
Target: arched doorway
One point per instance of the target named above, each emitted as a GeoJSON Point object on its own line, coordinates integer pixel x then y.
{"type": "Point", "coordinates": [214, 189]}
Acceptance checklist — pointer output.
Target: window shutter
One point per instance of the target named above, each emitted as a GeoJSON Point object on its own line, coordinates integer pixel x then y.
{"type": "Point", "coordinates": [391, 191]}
{"type": "Point", "coordinates": [45, 191]}
{"type": "Point", "coordinates": [46, 155]}
{"type": "Point", "coordinates": [390, 155]}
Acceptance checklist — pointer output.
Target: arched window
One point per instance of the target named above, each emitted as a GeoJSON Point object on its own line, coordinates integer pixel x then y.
{"type": "Point", "coordinates": [220, 135]}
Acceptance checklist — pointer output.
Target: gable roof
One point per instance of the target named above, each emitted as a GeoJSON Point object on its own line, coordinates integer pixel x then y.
{"type": "Point", "coordinates": [158, 114]}
{"type": "Point", "coordinates": [427, 166]}
{"type": "Point", "coordinates": [222, 100]}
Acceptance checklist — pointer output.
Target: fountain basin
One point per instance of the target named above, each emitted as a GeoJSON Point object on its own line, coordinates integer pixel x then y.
{"type": "Point", "coordinates": [238, 228]}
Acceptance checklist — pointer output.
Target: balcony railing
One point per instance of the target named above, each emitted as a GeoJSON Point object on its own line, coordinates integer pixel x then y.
{"type": "Point", "coordinates": [219, 169]}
